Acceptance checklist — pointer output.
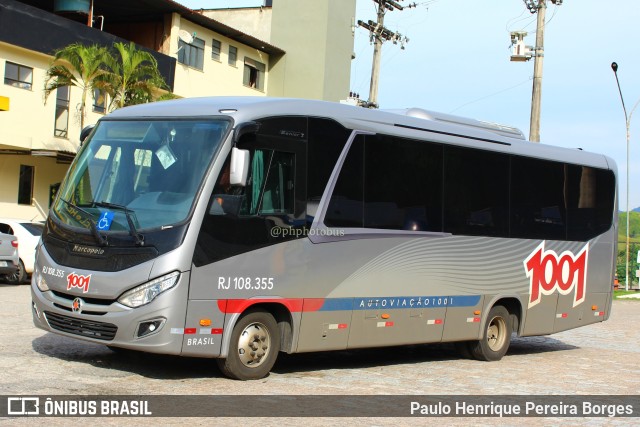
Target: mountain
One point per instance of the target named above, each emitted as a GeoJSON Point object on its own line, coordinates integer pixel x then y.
{"type": "Point", "coordinates": [636, 210]}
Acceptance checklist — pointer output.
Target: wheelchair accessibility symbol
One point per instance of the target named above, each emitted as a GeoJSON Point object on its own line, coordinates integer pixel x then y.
{"type": "Point", "coordinates": [105, 221]}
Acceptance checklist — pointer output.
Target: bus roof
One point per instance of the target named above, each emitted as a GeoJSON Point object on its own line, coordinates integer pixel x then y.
{"type": "Point", "coordinates": [412, 122]}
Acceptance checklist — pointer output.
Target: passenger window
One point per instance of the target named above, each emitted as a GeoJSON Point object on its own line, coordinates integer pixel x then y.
{"type": "Point", "coordinates": [327, 139]}
{"type": "Point", "coordinates": [476, 194]}
{"type": "Point", "coordinates": [538, 204]}
{"type": "Point", "coordinates": [389, 183]}
{"type": "Point", "coordinates": [346, 206]}
{"type": "Point", "coordinates": [399, 184]}
{"type": "Point", "coordinates": [403, 184]}
{"type": "Point", "coordinates": [591, 195]}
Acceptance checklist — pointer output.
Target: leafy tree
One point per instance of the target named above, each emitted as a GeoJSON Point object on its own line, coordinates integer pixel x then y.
{"type": "Point", "coordinates": [133, 77]}
{"type": "Point", "coordinates": [634, 225]}
{"type": "Point", "coordinates": [633, 264]}
{"type": "Point", "coordinates": [76, 65]}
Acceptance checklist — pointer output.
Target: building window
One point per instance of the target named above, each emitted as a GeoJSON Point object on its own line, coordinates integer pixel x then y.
{"type": "Point", "coordinates": [191, 54]}
{"type": "Point", "coordinates": [18, 75]}
{"type": "Point", "coordinates": [25, 185]}
{"type": "Point", "coordinates": [62, 112]}
{"type": "Point", "coordinates": [254, 74]}
{"type": "Point", "coordinates": [216, 48]}
{"type": "Point", "coordinates": [99, 101]}
{"type": "Point", "coordinates": [233, 55]}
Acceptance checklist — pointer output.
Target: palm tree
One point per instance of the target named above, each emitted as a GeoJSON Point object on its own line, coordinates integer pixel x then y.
{"type": "Point", "coordinates": [133, 77]}
{"type": "Point", "coordinates": [76, 65]}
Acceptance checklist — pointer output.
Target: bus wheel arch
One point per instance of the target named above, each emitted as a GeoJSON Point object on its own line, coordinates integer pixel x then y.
{"type": "Point", "coordinates": [258, 335]}
{"type": "Point", "coordinates": [514, 307]}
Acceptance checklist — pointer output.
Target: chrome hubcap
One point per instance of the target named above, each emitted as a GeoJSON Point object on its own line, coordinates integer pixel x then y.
{"type": "Point", "coordinates": [253, 345]}
{"type": "Point", "coordinates": [496, 333]}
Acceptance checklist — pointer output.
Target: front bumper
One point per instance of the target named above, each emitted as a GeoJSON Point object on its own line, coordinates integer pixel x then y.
{"type": "Point", "coordinates": [146, 328]}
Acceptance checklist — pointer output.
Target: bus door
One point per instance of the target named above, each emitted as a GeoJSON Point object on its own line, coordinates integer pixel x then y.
{"type": "Point", "coordinates": [240, 220]}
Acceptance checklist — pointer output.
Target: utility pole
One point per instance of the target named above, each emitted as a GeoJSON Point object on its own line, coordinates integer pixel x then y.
{"type": "Point", "coordinates": [524, 53]}
{"type": "Point", "coordinates": [627, 117]}
{"type": "Point", "coordinates": [536, 95]}
{"type": "Point", "coordinates": [378, 35]}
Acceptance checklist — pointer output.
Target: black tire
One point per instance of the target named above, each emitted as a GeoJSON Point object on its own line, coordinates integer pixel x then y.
{"type": "Point", "coordinates": [462, 347]}
{"type": "Point", "coordinates": [18, 277]}
{"type": "Point", "coordinates": [254, 347]}
{"type": "Point", "coordinates": [496, 338]}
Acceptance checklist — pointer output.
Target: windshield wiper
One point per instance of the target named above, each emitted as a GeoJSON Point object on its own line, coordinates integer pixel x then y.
{"type": "Point", "coordinates": [139, 238]}
{"type": "Point", "coordinates": [102, 240]}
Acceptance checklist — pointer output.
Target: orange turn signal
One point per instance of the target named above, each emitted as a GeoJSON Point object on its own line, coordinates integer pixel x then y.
{"type": "Point", "coordinates": [205, 322]}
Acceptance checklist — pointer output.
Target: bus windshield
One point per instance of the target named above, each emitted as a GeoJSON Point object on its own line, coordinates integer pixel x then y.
{"type": "Point", "coordinates": [136, 175]}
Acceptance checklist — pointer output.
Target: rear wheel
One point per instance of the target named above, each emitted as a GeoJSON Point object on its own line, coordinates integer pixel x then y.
{"type": "Point", "coordinates": [19, 276]}
{"type": "Point", "coordinates": [497, 336]}
{"type": "Point", "coordinates": [254, 347]}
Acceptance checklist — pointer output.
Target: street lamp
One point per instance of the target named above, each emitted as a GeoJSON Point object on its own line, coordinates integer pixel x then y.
{"type": "Point", "coordinates": [614, 67]}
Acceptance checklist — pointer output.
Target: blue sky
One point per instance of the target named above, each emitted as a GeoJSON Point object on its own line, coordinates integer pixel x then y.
{"type": "Point", "coordinates": [457, 61]}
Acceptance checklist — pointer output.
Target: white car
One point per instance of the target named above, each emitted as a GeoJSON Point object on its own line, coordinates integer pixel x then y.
{"type": "Point", "coordinates": [28, 234]}
{"type": "Point", "coordinates": [8, 255]}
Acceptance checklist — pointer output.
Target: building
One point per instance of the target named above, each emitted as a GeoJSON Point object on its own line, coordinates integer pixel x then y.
{"type": "Point", "coordinates": [197, 53]}
{"type": "Point", "coordinates": [317, 36]}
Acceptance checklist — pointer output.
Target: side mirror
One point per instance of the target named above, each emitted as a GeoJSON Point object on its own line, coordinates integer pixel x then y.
{"type": "Point", "coordinates": [85, 133]}
{"type": "Point", "coordinates": [239, 167]}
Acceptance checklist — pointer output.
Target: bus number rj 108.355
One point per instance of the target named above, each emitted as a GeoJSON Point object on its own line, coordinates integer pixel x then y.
{"type": "Point", "coordinates": [245, 283]}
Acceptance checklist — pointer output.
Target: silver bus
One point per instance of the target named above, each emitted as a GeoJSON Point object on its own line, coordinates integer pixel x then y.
{"type": "Point", "coordinates": [237, 228]}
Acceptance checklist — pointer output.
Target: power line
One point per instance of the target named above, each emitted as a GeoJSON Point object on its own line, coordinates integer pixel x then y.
{"type": "Point", "coordinates": [491, 95]}
{"type": "Point", "coordinates": [379, 34]}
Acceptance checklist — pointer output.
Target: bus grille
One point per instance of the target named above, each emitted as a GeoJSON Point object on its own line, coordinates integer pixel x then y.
{"type": "Point", "coordinates": [85, 328]}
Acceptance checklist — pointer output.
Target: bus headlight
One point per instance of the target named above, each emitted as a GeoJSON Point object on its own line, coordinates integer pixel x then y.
{"type": "Point", "coordinates": [39, 280]}
{"type": "Point", "coordinates": [146, 293]}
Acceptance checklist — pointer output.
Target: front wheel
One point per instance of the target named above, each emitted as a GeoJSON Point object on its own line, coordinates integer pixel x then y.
{"type": "Point", "coordinates": [497, 336]}
{"type": "Point", "coordinates": [254, 347]}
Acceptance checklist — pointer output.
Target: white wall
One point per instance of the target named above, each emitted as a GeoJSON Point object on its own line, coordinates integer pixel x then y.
{"type": "Point", "coordinates": [46, 173]}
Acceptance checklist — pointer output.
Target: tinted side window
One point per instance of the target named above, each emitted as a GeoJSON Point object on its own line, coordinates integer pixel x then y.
{"type": "Point", "coordinates": [403, 184]}
{"type": "Point", "coordinates": [476, 195]}
{"type": "Point", "coordinates": [346, 204]}
{"type": "Point", "coordinates": [538, 204]}
{"type": "Point", "coordinates": [327, 139]}
{"type": "Point", "coordinates": [591, 195]}
{"type": "Point", "coordinates": [389, 183]}
{"type": "Point", "coordinates": [399, 184]}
